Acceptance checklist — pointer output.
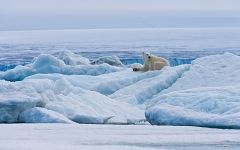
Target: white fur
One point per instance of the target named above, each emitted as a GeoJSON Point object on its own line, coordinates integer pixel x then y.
{"type": "Point", "coordinates": [152, 62]}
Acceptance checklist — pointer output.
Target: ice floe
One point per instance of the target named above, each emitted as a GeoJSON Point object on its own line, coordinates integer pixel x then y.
{"type": "Point", "coordinates": [143, 90]}
{"type": "Point", "coordinates": [207, 95]}
{"type": "Point", "coordinates": [46, 64]}
{"type": "Point", "coordinates": [75, 103]}
{"type": "Point", "coordinates": [204, 93]}
{"type": "Point", "coordinates": [210, 71]}
{"type": "Point", "coordinates": [206, 107]}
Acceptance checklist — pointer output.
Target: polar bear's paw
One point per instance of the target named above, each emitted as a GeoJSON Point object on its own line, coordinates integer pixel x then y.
{"type": "Point", "coordinates": [136, 69]}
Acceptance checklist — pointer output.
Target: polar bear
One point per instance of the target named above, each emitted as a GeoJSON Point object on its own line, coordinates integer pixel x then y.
{"type": "Point", "coordinates": [152, 62]}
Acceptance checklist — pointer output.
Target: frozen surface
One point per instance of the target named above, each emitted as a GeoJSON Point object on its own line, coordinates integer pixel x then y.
{"type": "Point", "coordinates": [210, 71]}
{"type": "Point", "coordinates": [207, 95]}
{"type": "Point", "coordinates": [75, 103]}
{"type": "Point", "coordinates": [204, 93]}
{"type": "Point", "coordinates": [65, 86]}
{"type": "Point", "coordinates": [143, 90]}
{"type": "Point", "coordinates": [46, 64]}
{"type": "Point", "coordinates": [115, 137]}
{"type": "Point", "coordinates": [207, 107]}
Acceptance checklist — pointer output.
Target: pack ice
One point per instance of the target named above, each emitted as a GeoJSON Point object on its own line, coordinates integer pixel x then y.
{"type": "Point", "coordinates": [207, 95]}
{"type": "Point", "coordinates": [65, 63]}
{"type": "Point", "coordinates": [68, 88]}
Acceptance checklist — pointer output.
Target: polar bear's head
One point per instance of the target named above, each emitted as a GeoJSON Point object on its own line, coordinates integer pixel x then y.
{"type": "Point", "coordinates": [146, 56]}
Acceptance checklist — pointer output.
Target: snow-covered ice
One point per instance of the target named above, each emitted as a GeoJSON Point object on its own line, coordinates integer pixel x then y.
{"type": "Point", "coordinates": [46, 63]}
{"type": "Point", "coordinates": [143, 90]}
{"type": "Point", "coordinates": [75, 103]}
{"type": "Point", "coordinates": [207, 95]}
{"type": "Point", "coordinates": [210, 71]}
{"type": "Point", "coordinates": [204, 93]}
{"type": "Point", "coordinates": [115, 137]}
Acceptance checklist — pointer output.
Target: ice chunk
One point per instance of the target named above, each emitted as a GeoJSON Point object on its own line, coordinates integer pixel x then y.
{"type": "Point", "coordinates": [75, 103]}
{"type": "Point", "coordinates": [90, 82]}
{"type": "Point", "coordinates": [42, 115]}
{"type": "Point", "coordinates": [85, 106]}
{"type": "Point", "coordinates": [111, 60]}
{"type": "Point", "coordinates": [72, 59]}
{"type": "Point", "coordinates": [206, 95]}
{"type": "Point", "coordinates": [14, 100]}
{"type": "Point", "coordinates": [14, 105]}
{"type": "Point", "coordinates": [206, 107]}
{"type": "Point", "coordinates": [110, 86]}
{"type": "Point", "coordinates": [143, 90]}
{"type": "Point", "coordinates": [49, 64]}
{"type": "Point", "coordinates": [209, 71]}
{"type": "Point", "coordinates": [17, 74]}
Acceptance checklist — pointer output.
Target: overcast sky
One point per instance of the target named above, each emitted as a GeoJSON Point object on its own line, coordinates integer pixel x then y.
{"type": "Point", "coordinates": [72, 14]}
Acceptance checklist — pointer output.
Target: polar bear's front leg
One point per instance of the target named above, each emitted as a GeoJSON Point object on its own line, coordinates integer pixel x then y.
{"type": "Point", "coordinates": [151, 66]}
{"type": "Point", "coordinates": [138, 69]}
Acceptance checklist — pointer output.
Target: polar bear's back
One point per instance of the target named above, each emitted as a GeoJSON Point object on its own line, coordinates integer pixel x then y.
{"type": "Point", "coordinates": [152, 62]}
{"type": "Point", "coordinates": [158, 63]}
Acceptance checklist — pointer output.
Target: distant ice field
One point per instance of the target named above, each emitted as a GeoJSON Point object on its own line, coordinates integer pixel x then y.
{"type": "Point", "coordinates": [179, 45]}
